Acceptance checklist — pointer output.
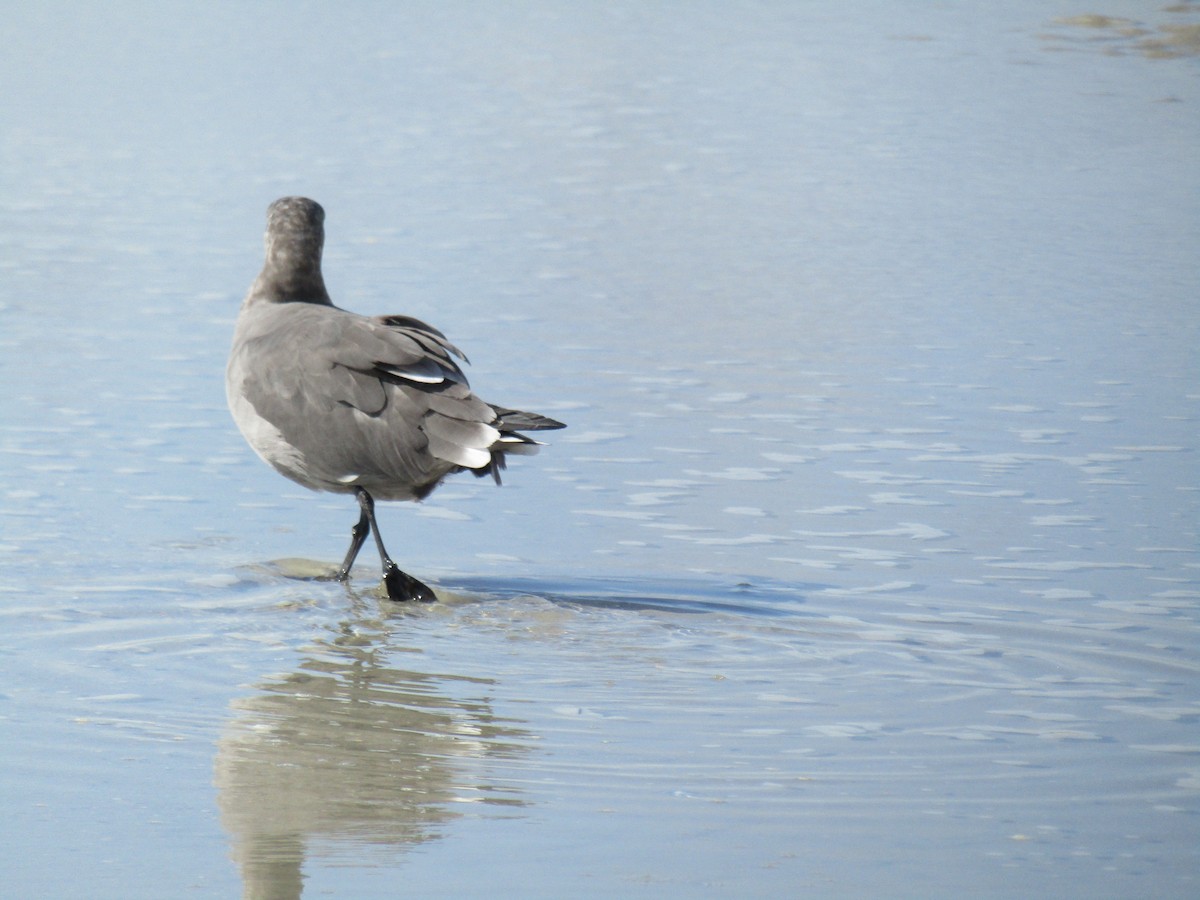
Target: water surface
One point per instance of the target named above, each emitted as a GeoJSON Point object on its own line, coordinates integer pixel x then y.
{"type": "Point", "coordinates": [867, 565]}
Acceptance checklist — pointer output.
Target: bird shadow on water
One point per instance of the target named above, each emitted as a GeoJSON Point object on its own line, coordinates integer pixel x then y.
{"type": "Point", "coordinates": [694, 596]}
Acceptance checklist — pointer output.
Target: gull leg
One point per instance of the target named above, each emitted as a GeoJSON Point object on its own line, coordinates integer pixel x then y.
{"type": "Point", "coordinates": [400, 585]}
{"type": "Point", "coordinates": [358, 534]}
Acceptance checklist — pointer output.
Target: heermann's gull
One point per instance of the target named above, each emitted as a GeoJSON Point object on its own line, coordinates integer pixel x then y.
{"type": "Point", "coordinates": [375, 407]}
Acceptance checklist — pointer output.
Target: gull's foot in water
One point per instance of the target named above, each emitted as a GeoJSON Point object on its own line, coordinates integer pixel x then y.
{"type": "Point", "coordinates": [403, 587]}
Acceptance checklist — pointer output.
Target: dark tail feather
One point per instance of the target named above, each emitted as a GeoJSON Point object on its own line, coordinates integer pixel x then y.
{"type": "Point", "coordinates": [516, 420]}
{"type": "Point", "coordinates": [496, 466]}
{"type": "Point", "coordinates": [511, 441]}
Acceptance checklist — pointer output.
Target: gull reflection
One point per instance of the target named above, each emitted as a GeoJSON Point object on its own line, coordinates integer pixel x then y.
{"type": "Point", "coordinates": [349, 750]}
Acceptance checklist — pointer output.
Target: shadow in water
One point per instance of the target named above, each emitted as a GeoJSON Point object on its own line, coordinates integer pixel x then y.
{"type": "Point", "coordinates": [678, 595]}
{"type": "Point", "coordinates": [351, 750]}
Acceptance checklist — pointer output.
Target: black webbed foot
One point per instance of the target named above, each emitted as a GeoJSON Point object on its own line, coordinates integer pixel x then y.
{"type": "Point", "coordinates": [403, 587]}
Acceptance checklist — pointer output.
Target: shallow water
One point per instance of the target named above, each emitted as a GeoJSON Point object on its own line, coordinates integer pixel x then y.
{"type": "Point", "coordinates": [867, 565]}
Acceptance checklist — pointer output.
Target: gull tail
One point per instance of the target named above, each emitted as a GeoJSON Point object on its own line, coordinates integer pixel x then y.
{"type": "Point", "coordinates": [508, 421]}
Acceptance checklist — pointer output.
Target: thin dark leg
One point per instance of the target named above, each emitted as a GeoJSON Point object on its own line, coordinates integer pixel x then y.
{"type": "Point", "coordinates": [358, 534]}
{"type": "Point", "coordinates": [400, 585]}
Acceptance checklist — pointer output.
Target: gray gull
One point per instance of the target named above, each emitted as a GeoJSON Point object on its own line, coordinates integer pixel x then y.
{"type": "Point", "coordinates": [375, 406]}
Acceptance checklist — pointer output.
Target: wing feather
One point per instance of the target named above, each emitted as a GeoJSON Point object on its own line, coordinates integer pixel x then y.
{"type": "Point", "coordinates": [380, 402]}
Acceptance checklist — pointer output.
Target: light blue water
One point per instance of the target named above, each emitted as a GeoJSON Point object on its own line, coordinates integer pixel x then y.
{"type": "Point", "coordinates": [867, 565]}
